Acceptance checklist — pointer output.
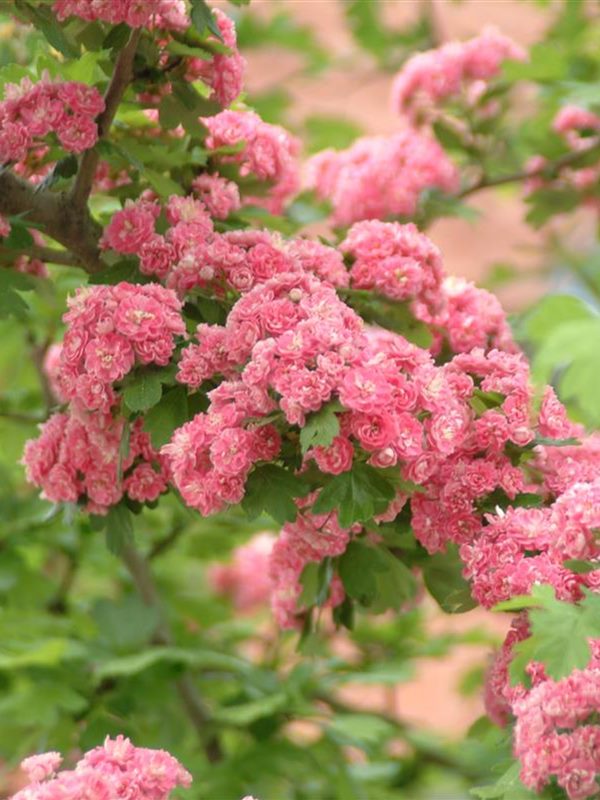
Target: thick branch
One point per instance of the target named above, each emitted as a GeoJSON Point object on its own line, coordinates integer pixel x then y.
{"type": "Point", "coordinates": [74, 229]}
{"type": "Point", "coordinates": [549, 170]}
{"type": "Point", "coordinates": [120, 80]}
{"type": "Point", "coordinates": [196, 710]}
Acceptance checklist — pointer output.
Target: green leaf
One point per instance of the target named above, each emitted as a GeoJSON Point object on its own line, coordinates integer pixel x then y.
{"type": "Point", "coordinates": [126, 666]}
{"type": "Point", "coordinates": [307, 208]}
{"type": "Point", "coordinates": [508, 787]}
{"type": "Point", "coordinates": [245, 713]}
{"type": "Point", "coordinates": [11, 303]}
{"type": "Point", "coordinates": [86, 68]}
{"type": "Point", "coordinates": [448, 137]}
{"type": "Point", "coordinates": [433, 203]}
{"type": "Point", "coordinates": [203, 18]}
{"type": "Point", "coordinates": [143, 390]}
{"type": "Point", "coordinates": [559, 635]}
{"type": "Point", "coordinates": [388, 314]}
{"type": "Point", "coordinates": [163, 185]}
{"type": "Point", "coordinates": [315, 580]}
{"type": "Point", "coordinates": [125, 625]}
{"type": "Point", "coordinates": [356, 496]}
{"type": "Point", "coordinates": [323, 131]}
{"type": "Point", "coordinates": [168, 414]}
{"type": "Point", "coordinates": [361, 730]}
{"type": "Point", "coordinates": [272, 489]}
{"type": "Point", "coordinates": [374, 577]}
{"type": "Point", "coordinates": [123, 270]}
{"type": "Point", "coordinates": [570, 353]}
{"type": "Point", "coordinates": [547, 202]}
{"type": "Point", "coordinates": [119, 528]}
{"type": "Point", "coordinates": [45, 21]}
{"type": "Point", "coordinates": [545, 63]}
{"type": "Point", "coordinates": [389, 673]}
{"type": "Point", "coordinates": [550, 313]}
{"type": "Point", "coordinates": [442, 573]}
{"type": "Point", "coordinates": [44, 652]}
{"type": "Point", "coordinates": [321, 428]}
{"type": "Point", "coordinates": [184, 107]}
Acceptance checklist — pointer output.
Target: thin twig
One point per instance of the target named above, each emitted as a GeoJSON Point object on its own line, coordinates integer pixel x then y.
{"type": "Point", "coordinates": [195, 708]}
{"type": "Point", "coordinates": [59, 603]}
{"type": "Point", "coordinates": [15, 416]}
{"type": "Point", "coordinates": [120, 80]}
{"type": "Point", "coordinates": [38, 356]}
{"type": "Point", "coordinates": [549, 170]}
{"type": "Point", "coordinates": [49, 255]}
{"type": "Point", "coordinates": [159, 547]}
{"type": "Point", "coordinates": [429, 12]}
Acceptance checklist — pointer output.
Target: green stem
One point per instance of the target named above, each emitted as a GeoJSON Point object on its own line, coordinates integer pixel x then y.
{"type": "Point", "coordinates": [194, 706]}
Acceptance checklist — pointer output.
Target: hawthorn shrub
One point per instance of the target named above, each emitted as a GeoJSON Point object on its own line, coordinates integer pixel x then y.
{"type": "Point", "coordinates": [234, 413]}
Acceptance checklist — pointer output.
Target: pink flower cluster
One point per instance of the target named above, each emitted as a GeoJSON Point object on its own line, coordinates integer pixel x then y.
{"type": "Point", "coordinates": [192, 255]}
{"type": "Point", "coordinates": [265, 153]}
{"type": "Point", "coordinates": [246, 578]}
{"type": "Point", "coordinates": [78, 458]}
{"type": "Point", "coordinates": [224, 73]}
{"type": "Point", "coordinates": [114, 769]}
{"type": "Point", "coordinates": [400, 263]}
{"type": "Point", "coordinates": [471, 317]}
{"type": "Point", "coordinates": [396, 261]}
{"type": "Point", "coordinates": [580, 129]}
{"type": "Point", "coordinates": [311, 538]}
{"type": "Point", "coordinates": [165, 14]}
{"type": "Point", "coordinates": [380, 176]}
{"type": "Point", "coordinates": [111, 329]}
{"type": "Point", "coordinates": [29, 112]}
{"type": "Point", "coordinates": [433, 76]}
{"type": "Point", "coordinates": [557, 734]}
{"type": "Point", "coordinates": [298, 347]}
{"type": "Point", "coordinates": [220, 196]}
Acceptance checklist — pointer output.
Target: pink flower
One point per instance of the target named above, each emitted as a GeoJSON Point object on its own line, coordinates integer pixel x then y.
{"type": "Point", "coordinates": [81, 98]}
{"type": "Point", "coordinates": [156, 257]}
{"type": "Point", "coordinates": [14, 142]}
{"type": "Point", "coordinates": [268, 153]}
{"type": "Point", "coordinates": [246, 578]}
{"type": "Point", "coordinates": [130, 228]}
{"type": "Point", "coordinates": [364, 389]}
{"type": "Point", "coordinates": [77, 133]}
{"type": "Point", "coordinates": [380, 176]}
{"type": "Point", "coordinates": [431, 77]}
{"type": "Point", "coordinates": [109, 357]}
{"type": "Point", "coordinates": [336, 458]}
{"type": "Point", "coordinates": [115, 769]}
{"type": "Point", "coordinates": [41, 766]}
{"type": "Point", "coordinates": [225, 71]}
{"type": "Point", "coordinates": [220, 196]}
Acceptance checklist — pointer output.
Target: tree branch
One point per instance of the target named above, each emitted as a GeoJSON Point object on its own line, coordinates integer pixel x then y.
{"type": "Point", "coordinates": [38, 356]}
{"type": "Point", "coordinates": [199, 715]}
{"type": "Point", "coordinates": [74, 229]}
{"type": "Point", "coordinates": [550, 170]}
{"type": "Point", "coordinates": [48, 255]}
{"type": "Point", "coordinates": [116, 89]}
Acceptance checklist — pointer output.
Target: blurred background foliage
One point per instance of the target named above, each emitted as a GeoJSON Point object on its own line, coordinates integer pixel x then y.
{"type": "Point", "coordinates": [78, 652]}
